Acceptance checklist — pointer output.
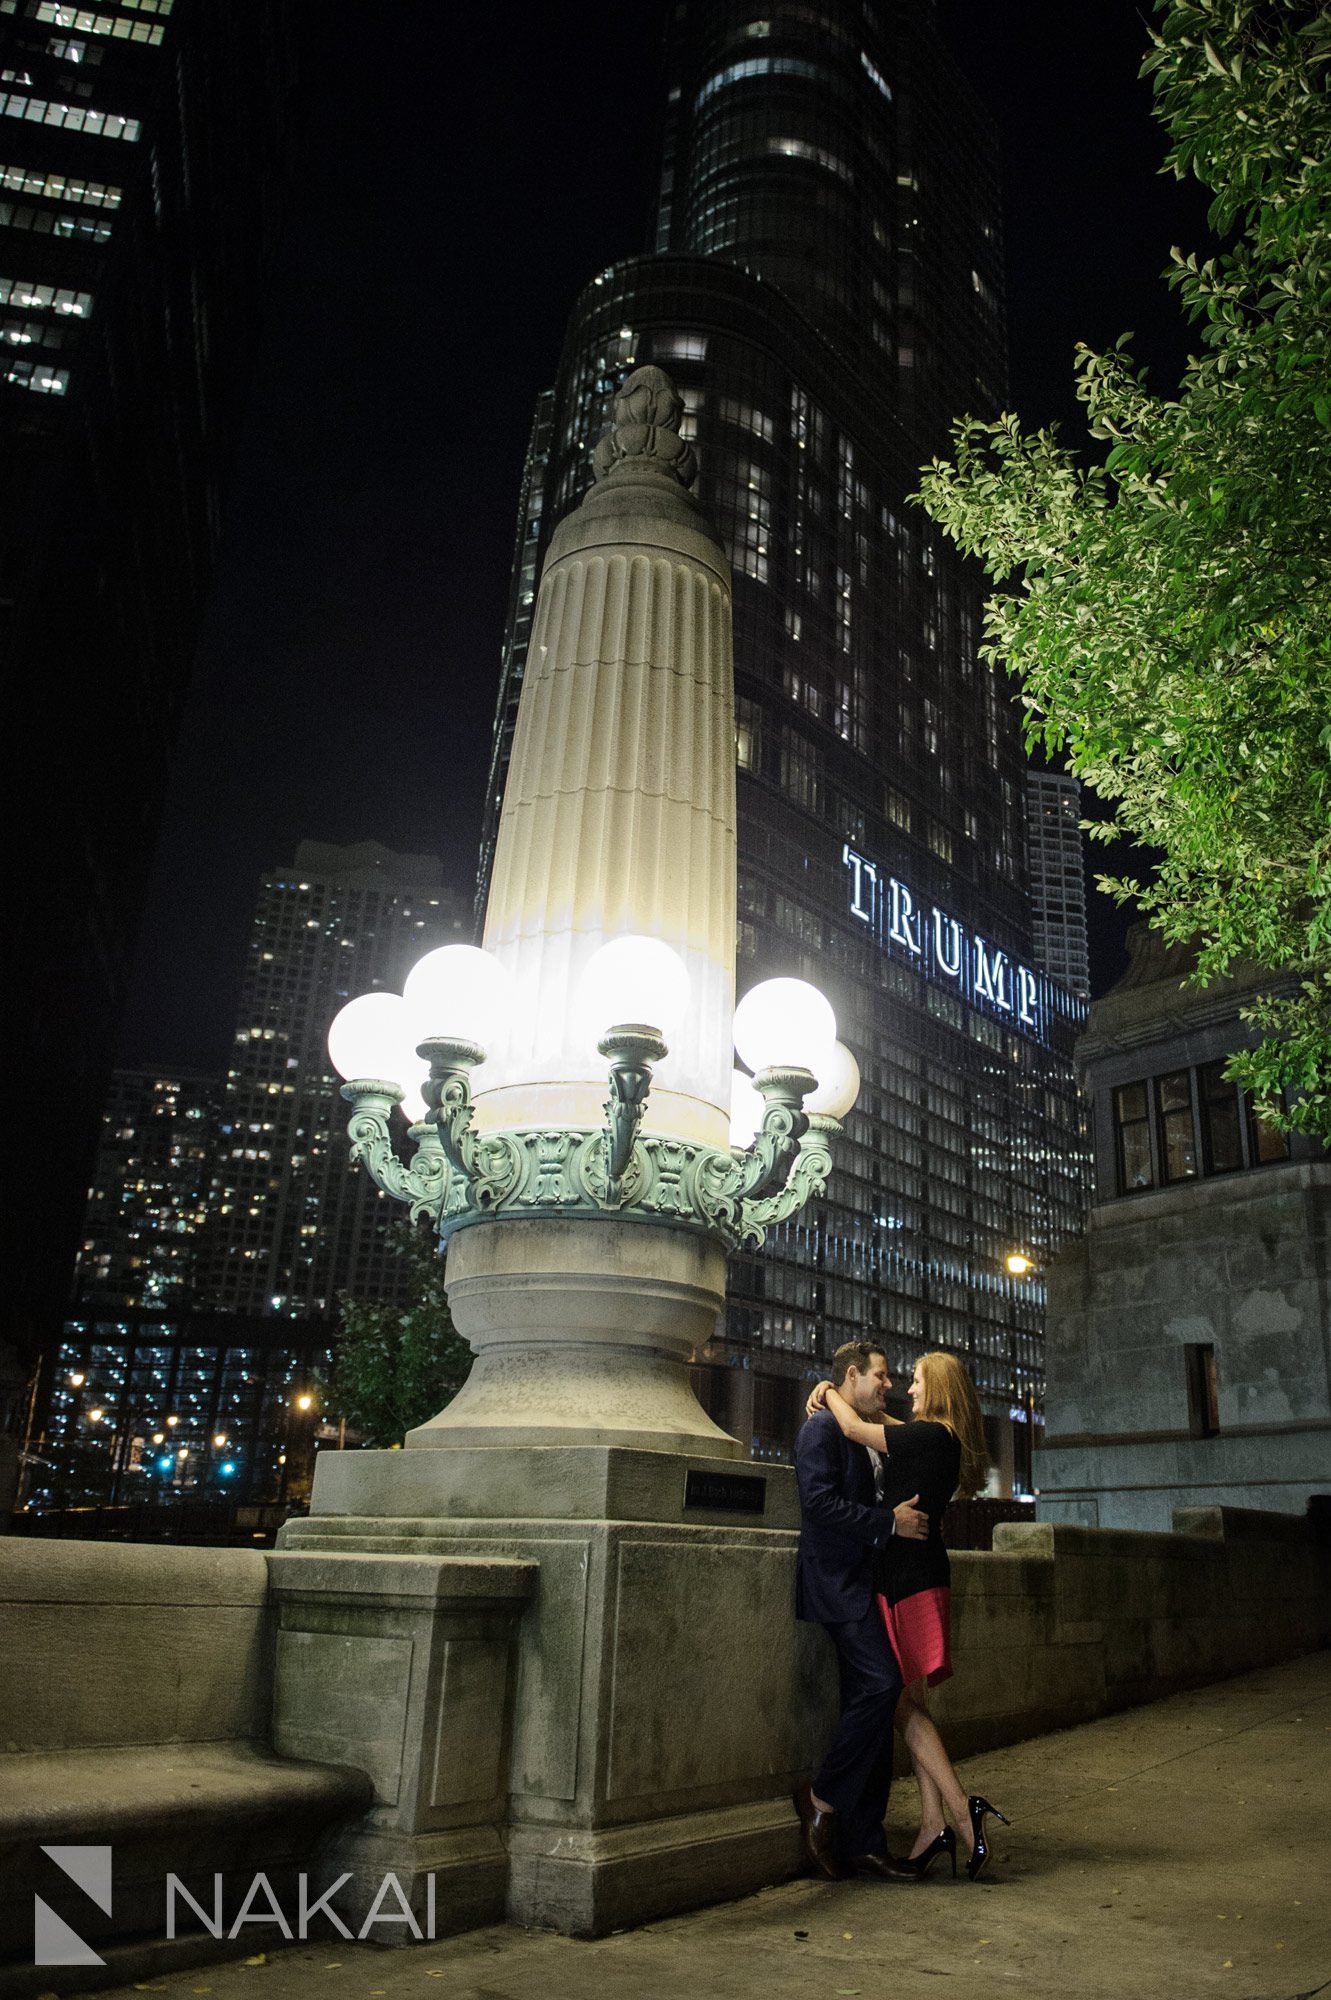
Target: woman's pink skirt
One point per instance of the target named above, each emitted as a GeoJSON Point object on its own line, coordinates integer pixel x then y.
{"type": "Point", "coordinates": [919, 1628]}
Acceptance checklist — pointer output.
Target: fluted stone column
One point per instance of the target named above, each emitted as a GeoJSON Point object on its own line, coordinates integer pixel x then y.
{"type": "Point", "coordinates": [619, 811]}
{"type": "Point", "coordinates": [618, 817]}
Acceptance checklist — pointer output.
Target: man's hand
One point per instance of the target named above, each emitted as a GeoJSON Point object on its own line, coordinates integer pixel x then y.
{"type": "Point", "coordinates": [817, 1398]}
{"type": "Point", "coordinates": [910, 1522]}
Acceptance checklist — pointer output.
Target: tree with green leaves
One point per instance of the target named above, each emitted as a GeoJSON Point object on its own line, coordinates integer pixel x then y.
{"type": "Point", "coordinates": [395, 1369]}
{"type": "Point", "coordinates": [1167, 611]}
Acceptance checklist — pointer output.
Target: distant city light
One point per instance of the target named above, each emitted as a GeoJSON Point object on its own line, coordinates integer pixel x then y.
{"type": "Point", "coordinates": [305, 1402]}
{"type": "Point", "coordinates": [173, 1421]}
{"type": "Point", "coordinates": [95, 1416]}
{"type": "Point", "coordinates": [76, 1381]}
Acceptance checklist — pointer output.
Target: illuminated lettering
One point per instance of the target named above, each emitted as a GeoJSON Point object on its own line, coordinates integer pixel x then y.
{"type": "Point", "coordinates": [862, 872]}
{"type": "Point", "coordinates": [1026, 995]}
{"type": "Point", "coordinates": [991, 976]}
{"type": "Point", "coordinates": [902, 916]}
{"type": "Point", "coordinates": [983, 971]}
{"type": "Point", "coordinates": [947, 957]}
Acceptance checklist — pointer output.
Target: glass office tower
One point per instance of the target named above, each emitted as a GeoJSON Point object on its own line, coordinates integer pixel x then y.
{"type": "Point", "coordinates": [826, 292]}
{"type": "Point", "coordinates": [145, 152]}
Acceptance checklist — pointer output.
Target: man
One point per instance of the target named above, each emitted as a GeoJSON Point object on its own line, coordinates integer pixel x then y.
{"type": "Point", "coordinates": [840, 1527]}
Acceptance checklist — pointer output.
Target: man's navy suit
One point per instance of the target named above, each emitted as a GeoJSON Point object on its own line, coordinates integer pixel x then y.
{"type": "Point", "coordinates": [840, 1527]}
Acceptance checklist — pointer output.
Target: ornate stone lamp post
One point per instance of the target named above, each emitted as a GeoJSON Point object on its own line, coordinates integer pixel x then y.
{"type": "Point", "coordinates": [588, 1231]}
{"type": "Point", "coordinates": [570, 1089]}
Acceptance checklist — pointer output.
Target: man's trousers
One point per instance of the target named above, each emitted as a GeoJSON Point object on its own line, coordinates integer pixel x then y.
{"type": "Point", "coordinates": [855, 1776]}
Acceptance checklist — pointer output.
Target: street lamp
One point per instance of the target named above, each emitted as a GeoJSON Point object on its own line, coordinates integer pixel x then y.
{"type": "Point", "coordinates": [1017, 1264]}
{"type": "Point", "coordinates": [630, 988]}
{"type": "Point", "coordinates": [585, 1150]}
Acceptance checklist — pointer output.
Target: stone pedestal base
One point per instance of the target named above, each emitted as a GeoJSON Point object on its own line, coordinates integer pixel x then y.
{"type": "Point", "coordinates": [401, 1664]}
{"type": "Point", "coordinates": [582, 1332]}
{"type": "Point", "coordinates": [665, 1699]}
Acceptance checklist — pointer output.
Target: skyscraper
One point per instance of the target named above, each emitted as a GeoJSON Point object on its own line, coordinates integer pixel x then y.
{"type": "Point", "coordinates": [148, 1202]}
{"type": "Point", "coordinates": [290, 1224]}
{"type": "Point", "coordinates": [826, 290]}
{"type": "Point", "coordinates": [144, 151]}
{"type": "Point", "coordinates": [1057, 869]}
{"type": "Point", "coordinates": [222, 1211]}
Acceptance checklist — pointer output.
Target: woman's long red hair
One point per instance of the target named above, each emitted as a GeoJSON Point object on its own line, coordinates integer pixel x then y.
{"type": "Point", "coordinates": [950, 1398]}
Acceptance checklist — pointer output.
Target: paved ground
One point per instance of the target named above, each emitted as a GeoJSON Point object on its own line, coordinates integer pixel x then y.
{"type": "Point", "coordinates": [1181, 1850]}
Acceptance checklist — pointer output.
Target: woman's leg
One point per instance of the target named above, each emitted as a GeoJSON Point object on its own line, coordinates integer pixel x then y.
{"type": "Point", "coordinates": [932, 1820]}
{"type": "Point", "coordinates": [933, 1765]}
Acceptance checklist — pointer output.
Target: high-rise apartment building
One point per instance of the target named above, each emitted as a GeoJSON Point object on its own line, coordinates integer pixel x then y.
{"type": "Point", "coordinates": [225, 1217]}
{"type": "Point", "coordinates": [290, 1225]}
{"type": "Point", "coordinates": [144, 156]}
{"type": "Point", "coordinates": [1056, 866]}
{"type": "Point", "coordinates": [826, 291]}
{"type": "Point", "coordinates": [148, 1202]}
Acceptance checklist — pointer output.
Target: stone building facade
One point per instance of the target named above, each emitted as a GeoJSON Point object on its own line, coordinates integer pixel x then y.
{"type": "Point", "coordinates": [1189, 1333]}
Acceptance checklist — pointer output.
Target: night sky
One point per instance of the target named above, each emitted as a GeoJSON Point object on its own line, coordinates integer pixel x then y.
{"type": "Point", "coordinates": [463, 179]}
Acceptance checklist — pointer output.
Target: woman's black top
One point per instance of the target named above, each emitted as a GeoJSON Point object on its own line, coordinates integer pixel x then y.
{"type": "Point", "coordinates": [922, 1458]}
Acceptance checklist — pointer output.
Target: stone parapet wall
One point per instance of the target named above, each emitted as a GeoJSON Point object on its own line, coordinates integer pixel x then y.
{"type": "Point", "coordinates": [1061, 1624]}
{"type": "Point", "coordinates": [585, 1723]}
{"type": "Point", "coordinates": [104, 1645]}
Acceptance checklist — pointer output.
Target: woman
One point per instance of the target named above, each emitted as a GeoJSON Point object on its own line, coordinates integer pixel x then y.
{"type": "Point", "coordinates": [941, 1452]}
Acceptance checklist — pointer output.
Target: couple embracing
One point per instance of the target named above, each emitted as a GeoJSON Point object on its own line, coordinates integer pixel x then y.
{"type": "Point", "coordinates": [873, 1571]}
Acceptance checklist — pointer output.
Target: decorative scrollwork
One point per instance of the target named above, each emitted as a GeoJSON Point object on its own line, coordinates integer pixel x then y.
{"type": "Point", "coordinates": [421, 1183]}
{"type": "Point", "coordinates": [488, 1166]}
{"type": "Point", "coordinates": [807, 1178]}
{"type": "Point", "coordinates": [631, 1052]}
{"type": "Point", "coordinates": [461, 1177]}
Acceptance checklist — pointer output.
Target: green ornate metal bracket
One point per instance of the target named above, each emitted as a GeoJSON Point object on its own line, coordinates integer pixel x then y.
{"type": "Point", "coordinates": [421, 1185]}
{"type": "Point", "coordinates": [462, 1177]}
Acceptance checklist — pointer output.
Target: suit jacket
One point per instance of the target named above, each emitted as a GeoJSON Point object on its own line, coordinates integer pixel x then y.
{"type": "Point", "coordinates": [840, 1525]}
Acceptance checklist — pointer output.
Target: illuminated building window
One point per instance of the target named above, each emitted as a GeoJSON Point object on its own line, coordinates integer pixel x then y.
{"type": "Point", "coordinates": [76, 228]}
{"type": "Point", "coordinates": [72, 117]}
{"type": "Point", "coordinates": [756, 66]}
{"type": "Point", "coordinates": [36, 376]}
{"type": "Point", "coordinates": [879, 81]}
{"type": "Point", "coordinates": [88, 23]}
{"type": "Point", "coordinates": [28, 332]}
{"type": "Point", "coordinates": [799, 149]}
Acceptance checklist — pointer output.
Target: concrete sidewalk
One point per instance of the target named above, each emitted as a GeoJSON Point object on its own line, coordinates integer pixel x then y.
{"type": "Point", "coordinates": [1179, 1850]}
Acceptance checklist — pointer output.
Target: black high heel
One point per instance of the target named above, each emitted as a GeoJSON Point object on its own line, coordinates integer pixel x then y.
{"type": "Point", "coordinates": [942, 1843]}
{"type": "Point", "coordinates": [977, 1808]}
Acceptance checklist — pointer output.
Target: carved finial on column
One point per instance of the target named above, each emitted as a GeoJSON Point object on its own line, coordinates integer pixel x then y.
{"type": "Point", "coordinates": [647, 413]}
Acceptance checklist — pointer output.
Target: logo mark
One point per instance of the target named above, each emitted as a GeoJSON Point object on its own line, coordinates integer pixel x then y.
{"type": "Point", "coordinates": [54, 1942]}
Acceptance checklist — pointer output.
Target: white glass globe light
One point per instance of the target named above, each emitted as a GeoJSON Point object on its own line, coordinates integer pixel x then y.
{"type": "Point", "coordinates": [459, 993]}
{"type": "Point", "coordinates": [785, 1023]}
{"type": "Point", "coordinates": [838, 1084]}
{"type": "Point", "coordinates": [413, 1087]}
{"type": "Point", "coordinates": [746, 1110]}
{"type": "Point", "coordinates": [633, 979]}
{"type": "Point", "coordinates": [370, 1037]}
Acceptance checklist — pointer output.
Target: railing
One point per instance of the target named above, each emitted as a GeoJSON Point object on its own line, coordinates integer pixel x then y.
{"type": "Point", "coordinates": [203, 1523]}
{"type": "Point", "coordinates": [970, 1524]}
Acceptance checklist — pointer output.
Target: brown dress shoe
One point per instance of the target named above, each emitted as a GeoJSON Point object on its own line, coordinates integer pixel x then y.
{"type": "Point", "coordinates": [883, 1868]}
{"type": "Point", "coordinates": [820, 1843]}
